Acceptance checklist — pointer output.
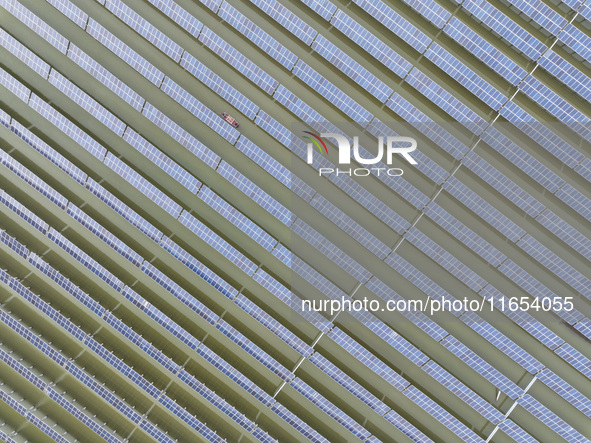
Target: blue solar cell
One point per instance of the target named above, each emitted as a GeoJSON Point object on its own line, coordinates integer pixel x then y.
{"type": "Point", "coordinates": [161, 319]}
{"type": "Point", "coordinates": [6, 438]}
{"type": "Point", "coordinates": [334, 412]}
{"type": "Point", "coordinates": [391, 337]}
{"type": "Point", "coordinates": [273, 325]}
{"type": "Point", "coordinates": [179, 15]}
{"type": "Point", "coordinates": [215, 399]}
{"type": "Point", "coordinates": [24, 54]}
{"type": "Point", "coordinates": [71, 11]}
{"type": "Point", "coordinates": [371, 203]}
{"type": "Point", "coordinates": [153, 431]}
{"type": "Point", "coordinates": [542, 135]}
{"type": "Point", "coordinates": [66, 126]}
{"type": "Point", "coordinates": [406, 427]}
{"type": "Point", "coordinates": [395, 23]}
{"type": "Point", "coordinates": [506, 28]}
{"type": "Point", "coordinates": [466, 76]}
{"type": "Point", "coordinates": [347, 224]}
{"type": "Point", "coordinates": [575, 359]}
{"type": "Point", "coordinates": [542, 14]}
{"type": "Point", "coordinates": [131, 216]}
{"type": "Point", "coordinates": [445, 259]}
{"type": "Point", "coordinates": [33, 339]}
{"type": "Point", "coordinates": [262, 436]}
{"type": "Point", "coordinates": [273, 286]}
{"type": "Point", "coordinates": [145, 29]}
{"type": "Point", "coordinates": [565, 232]}
{"type": "Point", "coordinates": [212, 4]}
{"type": "Point", "coordinates": [26, 293]}
{"type": "Point", "coordinates": [103, 392]}
{"type": "Point", "coordinates": [189, 419]}
{"type": "Point", "coordinates": [36, 24]}
{"type": "Point", "coordinates": [254, 350]}
{"type": "Point", "coordinates": [259, 37]}
{"type": "Point", "coordinates": [522, 278]}
{"type": "Point", "coordinates": [235, 375]}
{"type": "Point", "coordinates": [577, 40]}
{"type": "Point", "coordinates": [503, 184]}
{"type": "Point", "coordinates": [199, 268]}
{"type": "Point", "coordinates": [122, 367]}
{"type": "Point", "coordinates": [348, 383]}
{"type": "Point", "coordinates": [217, 242]}
{"type": "Point", "coordinates": [351, 68]}
{"type": "Point", "coordinates": [5, 119]}
{"type": "Point", "coordinates": [550, 419]}
{"type": "Point", "coordinates": [431, 10]}
{"type": "Point", "coordinates": [13, 244]}
{"type": "Point", "coordinates": [448, 420]}
{"type": "Point", "coordinates": [418, 318]}
{"type": "Point", "coordinates": [464, 234]}
{"type": "Point", "coordinates": [180, 293]}
{"type": "Point", "coordinates": [181, 136]}
{"type": "Point", "coordinates": [515, 432]}
{"type": "Point", "coordinates": [484, 209]}
{"type": "Point", "coordinates": [124, 52]}
{"type": "Point", "coordinates": [143, 344]}
{"type": "Point", "coordinates": [199, 110]}
{"type": "Point", "coordinates": [566, 391]}
{"type": "Point", "coordinates": [495, 337]}
{"type": "Point", "coordinates": [162, 160]}
{"type": "Point", "coordinates": [85, 259]}
{"type": "Point", "coordinates": [47, 151]}
{"type": "Point", "coordinates": [584, 169]}
{"type": "Point", "coordinates": [329, 250]}
{"type": "Point", "coordinates": [23, 212]}
{"type": "Point", "coordinates": [368, 359]}
{"type": "Point", "coordinates": [427, 126]}
{"type": "Point", "coordinates": [446, 101]}
{"type": "Point", "coordinates": [316, 279]}
{"type": "Point", "coordinates": [87, 420]}
{"type": "Point", "coordinates": [324, 8]}
{"type": "Point", "coordinates": [143, 185]}
{"type": "Point", "coordinates": [485, 51]}
{"type": "Point", "coordinates": [102, 233]}
{"type": "Point", "coordinates": [66, 284]}
{"type": "Point", "coordinates": [32, 180]}
{"type": "Point", "coordinates": [287, 19]}
{"type": "Point", "coordinates": [14, 86]}
{"type": "Point", "coordinates": [520, 158]}
{"type": "Point", "coordinates": [6, 398]}
{"type": "Point", "coordinates": [370, 43]}
{"type": "Point", "coordinates": [254, 192]}
{"type": "Point", "coordinates": [482, 367]}
{"type": "Point", "coordinates": [219, 86]}
{"type": "Point", "coordinates": [566, 73]}
{"type": "Point", "coordinates": [237, 218]}
{"type": "Point", "coordinates": [583, 10]}
{"type": "Point", "coordinates": [105, 77]}
{"type": "Point", "coordinates": [53, 434]}
{"type": "Point", "coordinates": [265, 161]}
{"type": "Point", "coordinates": [47, 309]}
{"type": "Point", "coordinates": [557, 106]}
{"type": "Point", "coordinates": [463, 392]}
{"type": "Point", "coordinates": [236, 59]}
{"type": "Point", "coordinates": [576, 200]}
{"type": "Point", "coordinates": [556, 265]}
{"type": "Point", "coordinates": [333, 94]}
{"type": "Point", "coordinates": [306, 430]}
